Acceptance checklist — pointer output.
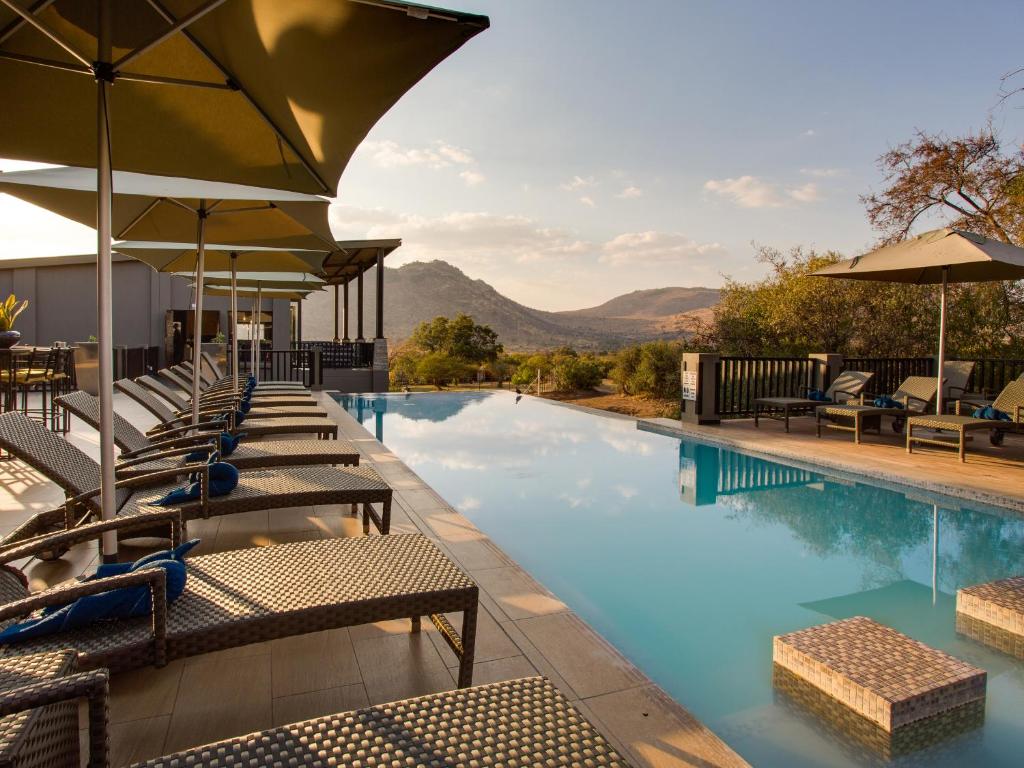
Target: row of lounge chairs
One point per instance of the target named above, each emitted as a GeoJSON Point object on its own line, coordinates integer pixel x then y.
{"type": "Point", "coordinates": [244, 596]}
{"type": "Point", "coordinates": [847, 406]}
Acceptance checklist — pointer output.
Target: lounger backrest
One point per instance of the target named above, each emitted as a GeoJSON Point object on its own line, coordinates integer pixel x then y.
{"type": "Point", "coordinates": [87, 408]}
{"type": "Point", "coordinates": [178, 377]}
{"type": "Point", "coordinates": [956, 374]}
{"type": "Point", "coordinates": [919, 388]}
{"type": "Point", "coordinates": [214, 368]}
{"type": "Point", "coordinates": [1011, 396]}
{"type": "Point", "coordinates": [143, 397]}
{"type": "Point", "coordinates": [53, 456]}
{"type": "Point", "coordinates": [153, 384]}
{"type": "Point", "coordinates": [848, 385]}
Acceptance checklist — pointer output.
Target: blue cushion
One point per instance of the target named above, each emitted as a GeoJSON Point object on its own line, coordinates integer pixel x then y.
{"type": "Point", "coordinates": [887, 402]}
{"type": "Point", "coordinates": [229, 442]}
{"type": "Point", "coordinates": [239, 417]}
{"type": "Point", "coordinates": [119, 603]}
{"type": "Point", "coordinates": [191, 458]}
{"type": "Point", "coordinates": [190, 492]}
{"type": "Point", "coordinates": [178, 553]}
{"type": "Point", "coordinates": [245, 406]}
{"type": "Point", "coordinates": [223, 478]}
{"type": "Point", "coordinates": [819, 396]}
{"type": "Point", "coordinates": [993, 414]}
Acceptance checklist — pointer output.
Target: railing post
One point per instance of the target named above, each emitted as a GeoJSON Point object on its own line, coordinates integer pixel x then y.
{"type": "Point", "coordinates": [830, 365]}
{"type": "Point", "coordinates": [316, 371]}
{"type": "Point", "coordinates": [698, 374]}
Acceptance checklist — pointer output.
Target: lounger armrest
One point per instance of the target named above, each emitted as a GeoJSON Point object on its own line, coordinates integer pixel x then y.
{"type": "Point", "coordinates": [846, 392]}
{"type": "Point", "coordinates": [1018, 414]}
{"type": "Point", "coordinates": [150, 478]}
{"type": "Point", "coordinates": [204, 410]}
{"type": "Point", "coordinates": [908, 398]}
{"type": "Point", "coordinates": [90, 531]}
{"type": "Point", "coordinates": [169, 428]}
{"type": "Point", "coordinates": [93, 686]}
{"type": "Point", "coordinates": [62, 594]}
{"type": "Point", "coordinates": [175, 442]}
{"type": "Point", "coordinates": [167, 454]}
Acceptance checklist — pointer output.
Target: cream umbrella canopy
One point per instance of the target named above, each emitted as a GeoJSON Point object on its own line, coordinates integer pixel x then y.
{"type": "Point", "coordinates": [277, 121]}
{"type": "Point", "coordinates": [939, 257]}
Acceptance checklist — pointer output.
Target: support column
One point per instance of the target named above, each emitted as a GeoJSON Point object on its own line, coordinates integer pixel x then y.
{"type": "Point", "coordinates": [298, 323]}
{"type": "Point", "coordinates": [829, 366]}
{"type": "Point", "coordinates": [336, 339]}
{"type": "Point", "coordinates": [345, 316]}
{"type": "Point", "coordinates": [380, 294]}
{"type": "Point", "coordinates": [359, 308]}
{"type": "Point", "coordinates": [697, 379]}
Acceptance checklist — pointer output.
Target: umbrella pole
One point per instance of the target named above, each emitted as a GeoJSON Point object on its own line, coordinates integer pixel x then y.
{"type": "Point", "coordinates": [197, 330]}
{"type": "Point", "coordinates": [104, 293]}
{"type": "Point", "coordinates": [942, 340]}
{"type": "Point", "coordinates": [234, 323]}
{"type": "Point", "coordinates": [259, 328]}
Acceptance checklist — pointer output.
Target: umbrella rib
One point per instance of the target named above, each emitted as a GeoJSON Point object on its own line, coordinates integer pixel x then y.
{"type": "Point", "coordinates": [153, 204]}
{"type": "Point", "coordinates": [158, 80]}
{"type": "Point", "coordinates": [42, 29]}
{"type": "Point", "coordinates": [250, 209]}
{"type": "Point", "coordinates": [176, 27]}
{"type": "Point", "coordinates": [325, 187]}
{"type": "Point", "coordinates": [19, 22]}
{"type": "Point", "coordinates": [25, 59]}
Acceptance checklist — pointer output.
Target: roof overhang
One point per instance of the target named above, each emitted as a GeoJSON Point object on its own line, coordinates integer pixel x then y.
{"type": "Point", "coordinates": [353, 257]}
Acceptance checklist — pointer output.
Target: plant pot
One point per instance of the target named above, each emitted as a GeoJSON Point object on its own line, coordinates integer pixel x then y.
{"type": "Point", "coordinates": [9, 338]}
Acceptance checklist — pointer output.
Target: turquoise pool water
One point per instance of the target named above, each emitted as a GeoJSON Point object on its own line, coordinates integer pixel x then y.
{"type": "Point", "coordinates": [689, 558]}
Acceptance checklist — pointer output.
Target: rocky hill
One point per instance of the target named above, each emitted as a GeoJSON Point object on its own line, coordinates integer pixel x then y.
{"type": "Point", "coordinates": [420, 291]}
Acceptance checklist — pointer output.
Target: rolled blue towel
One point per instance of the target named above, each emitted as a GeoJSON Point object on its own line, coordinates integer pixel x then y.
{"type": "Point", "coordinates": [992, 414]}
{"type": "Point", "coordinates": [229, 442]}
{"type": "Point", "coordinates": [887, 402]}
{"type": "Point", "coordinates": [223, 480]}
{"type": "Point", "coordinates": [818, 396]}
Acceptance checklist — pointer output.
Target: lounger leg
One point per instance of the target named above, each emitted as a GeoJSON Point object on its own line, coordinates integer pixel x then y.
{"type": "Point", "coordinates": [417, 624]}
{"type": "Point", "coordinates": [354, 509]}
{"type": "Point", "coordinates": [366, 519]}
{"type": "Point", "coordinates": [856, 428]}
{"type": "Point", "coordinates": [910, 438]}
{"type": "Point", "coordinates": [963, 447]}
{"type": "Point", "coordinates": [817, 423]}
{"type": "Point", "coordinates": [468, 647]}
{"type": "Point", "coordinates": [785, 416]}
{"type": "Point", "coordinates": [757, 413]}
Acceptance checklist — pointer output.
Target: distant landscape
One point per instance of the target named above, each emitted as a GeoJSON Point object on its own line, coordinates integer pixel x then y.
{"type": "Point", "coordinates": [420, 291]}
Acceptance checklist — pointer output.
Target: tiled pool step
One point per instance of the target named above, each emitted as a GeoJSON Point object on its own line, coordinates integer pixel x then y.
{"type": "Point", "coordinates": [879, 673]}
{"type": "Point", "coordinates": [999, 603]}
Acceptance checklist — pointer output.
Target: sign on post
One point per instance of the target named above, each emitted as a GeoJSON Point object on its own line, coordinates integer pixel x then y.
{"type": "Point", "coordinates": [689, 384]}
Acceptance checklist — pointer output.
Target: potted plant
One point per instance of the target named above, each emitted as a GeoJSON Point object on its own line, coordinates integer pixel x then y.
{"type": "Point", "coordinates": [9, 311]}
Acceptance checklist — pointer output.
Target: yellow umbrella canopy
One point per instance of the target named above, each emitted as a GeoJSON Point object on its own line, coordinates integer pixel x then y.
{"type": "Point", "coordinates": [262, 92]}
{"type": "Point", "coordinates": [181, 257]}
{"type": "Point", "coordinates": [289, 294]}
{"type": "Point", "coordinates": [299, 281]}
{"type": "Point", "coordinates": [164, 209]}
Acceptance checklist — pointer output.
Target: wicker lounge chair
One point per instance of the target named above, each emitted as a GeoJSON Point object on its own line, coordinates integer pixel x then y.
{"type": "Point", "coordinates": [956, 374]}
{"type": "Point", "coordinates": [525, 722]}
{"type": "Point", "coordinates": [847, 387]}
{"type": "Point", "coordinates": [260, 407]}
{"type": "Point", "coordinates": [79, 475]}
{"type": "Point", "coordinates": [251, 595]}
{"type": "Point", "coordinates": [262, 454]}
{"type": "Point", "coordinates": [170, 420]}
{"type": "Point", "coordinates": [916, 393]}
{"type": "Point", "coordinates": [959, 423]}
{"type": "Point", "coordinates": [208, 384]}
{"type": "Point", "coordinates": [210, 371]}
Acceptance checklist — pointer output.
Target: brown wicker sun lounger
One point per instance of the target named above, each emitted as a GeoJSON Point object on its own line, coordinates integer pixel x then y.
{"type": "Point", "coordinates": [300, 486]}
{"type": "Point", "coordinates": [1010, 401]}
{"type": "Point", "coordinates": [262, 454]}
{"type": "Point", "coordinates": [260, 408]}
{"type": "Point", "coordinates": [847, 387]}
{"type": "Point", "coordinates": [917, 393]}
{"type": "Point", "coordinates": [184, 370]}
{"type": "Point", "coordinates": [320, 426]}
{"type": "Point", "coordinates": [251, 595]}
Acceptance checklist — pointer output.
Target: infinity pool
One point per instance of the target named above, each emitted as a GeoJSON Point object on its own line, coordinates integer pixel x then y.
{"type": "Point", "coordinates": [689, 558]}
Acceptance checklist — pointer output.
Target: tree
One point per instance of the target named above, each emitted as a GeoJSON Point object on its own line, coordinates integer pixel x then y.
{"type": "Point", "coordinates": [460, 337]}
{"type": "Point", "coordinates": [439, 368]}
{"type": "Point", "coordinates": [650, 369]}
{"type": "Point", "coordinates": [573, 373]}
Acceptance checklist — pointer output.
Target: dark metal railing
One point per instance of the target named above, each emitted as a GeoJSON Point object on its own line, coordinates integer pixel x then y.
{"type": "Point", "coordinates": [300, 365]}
{"type": "Point", "coordinates": [991, 375]}
{"type": "Point", "coordinates": [344, 354]}
{"type": "Point", "coordinates": [890, 371]}
{"type": "Point", "coordinates": [739, 381]}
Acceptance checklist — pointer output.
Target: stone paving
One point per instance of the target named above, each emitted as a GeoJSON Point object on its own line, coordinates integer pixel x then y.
{"type": "Point", "coordinates": [523, 630]}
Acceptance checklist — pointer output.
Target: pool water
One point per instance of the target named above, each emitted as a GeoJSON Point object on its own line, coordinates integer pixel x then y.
{"type": "Point", "coordinates": [689, 558]}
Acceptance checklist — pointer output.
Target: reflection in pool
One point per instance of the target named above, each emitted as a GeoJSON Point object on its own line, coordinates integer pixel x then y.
{"type": "Point", "coordinates": [689, 558]}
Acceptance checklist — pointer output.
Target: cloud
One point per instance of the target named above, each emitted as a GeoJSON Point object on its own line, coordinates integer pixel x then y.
{"type": "Point", "coordinates": [472, 178]}
{"type": "Point", "coordinates": [823, 173]}
{"type": "Point", "coordinates": [578, 182]}
{"type": "Point", "coordinates": [588, 201]}
{"type": "Point", "coordinates": [630, 192]}
{"type": "Point", "coordinates": [633, 248]}
{"type": "Point", "coordinates": [754, 192]}
{"type": "Point", "coordinates": [808, 193]}
{"type": "Point", "coordinates": [809, 132]}
{"type": "Point", "coordinates": [746, 191]}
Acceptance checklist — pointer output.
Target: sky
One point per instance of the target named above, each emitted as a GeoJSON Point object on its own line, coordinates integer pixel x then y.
{"type": "Point", "coordinates": [579, 150]}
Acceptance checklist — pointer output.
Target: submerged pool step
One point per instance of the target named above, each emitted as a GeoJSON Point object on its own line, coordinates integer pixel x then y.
{"type": "Point", "coordinates": [999, 603]}
{"type": "Point", "coordinates": [879, 673]}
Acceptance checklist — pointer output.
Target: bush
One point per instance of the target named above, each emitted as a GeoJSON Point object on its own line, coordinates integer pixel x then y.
{"type": "Point", "coordinates": [439, 369]}
{"type": "Point", "coordinates": [650, 369]}
{"type": "Point", "coordinates": [526, 373]}
{"type": "Point", "coordinates": [573, 373]}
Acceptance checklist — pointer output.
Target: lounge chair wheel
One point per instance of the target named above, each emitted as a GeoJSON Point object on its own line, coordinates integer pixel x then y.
{"type": "Point", "coordinates": [996, 437]}
{"type": "Point", "coordinates": [897, 425]}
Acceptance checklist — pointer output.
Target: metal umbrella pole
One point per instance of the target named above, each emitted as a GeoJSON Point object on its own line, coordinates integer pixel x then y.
{"type": "Point", "coordinates": [104, 292]}
{"type": "Point", "coordinates": [234, 323]}
{"type": "Point", "coordinates": [259, 328]}
{"type": "Point", "coordinates": [942, 339]}
{"type": "Point", "coordinates": [197, 330]}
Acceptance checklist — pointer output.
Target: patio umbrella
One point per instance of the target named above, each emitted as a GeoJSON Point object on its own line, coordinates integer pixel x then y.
{"type": "Point", "coordinates": [208, 89]}
{"type": "Point", "coordinates": [939, 257]}
{"type": "Point", "coordinates": [162, 208]}
{"type": "Point", "coordinates": [299, 281]}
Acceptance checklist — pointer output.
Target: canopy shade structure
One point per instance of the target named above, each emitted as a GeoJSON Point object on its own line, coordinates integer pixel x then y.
{"type": "Point", "coordinates": [351, 257]}
{"type": "Point", "coordinates": [940, 257]}
{"type": "Point", "coordinates": [261, 92]}
{"type": "Point", "coordinates": [297, 281]}
{"type": "Point", "coordinates": [254, 293]}
{"type": "Point", "coordinates": [159, 208]}
{"type": "Point", "coordinates": [181, 257]}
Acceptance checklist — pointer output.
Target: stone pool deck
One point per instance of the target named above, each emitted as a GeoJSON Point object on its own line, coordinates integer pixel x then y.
{"type": "Point", "coordinates": [992, 475]}
{"type": "Point", "coordinates": [523, 630]}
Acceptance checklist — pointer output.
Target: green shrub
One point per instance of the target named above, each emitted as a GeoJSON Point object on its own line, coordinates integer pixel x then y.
{"type": "Point", "coordinates": [650, 369]}
{"type": "Point", "coordinates": [572, 373]}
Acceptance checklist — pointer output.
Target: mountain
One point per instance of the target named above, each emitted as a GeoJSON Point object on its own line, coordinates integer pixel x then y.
{"type": "Point", "coordinates": [420, 291]}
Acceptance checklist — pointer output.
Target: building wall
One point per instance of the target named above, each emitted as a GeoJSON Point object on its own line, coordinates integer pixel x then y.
{"type": "Point", "coordinates": [62, 303]}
